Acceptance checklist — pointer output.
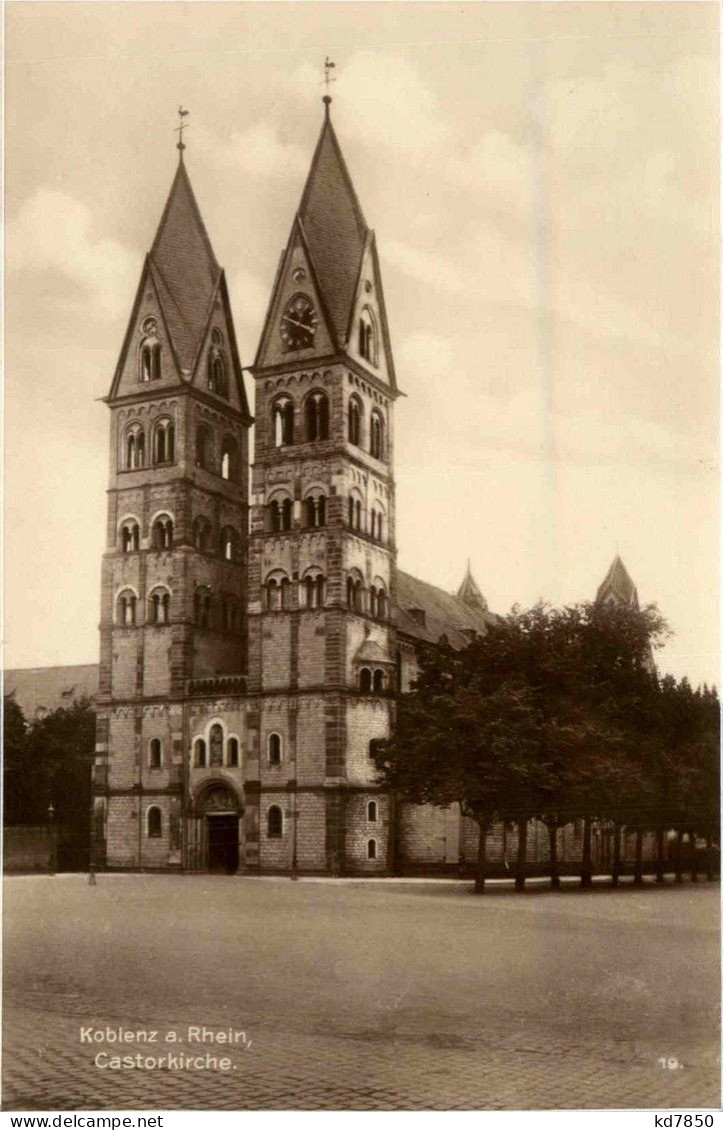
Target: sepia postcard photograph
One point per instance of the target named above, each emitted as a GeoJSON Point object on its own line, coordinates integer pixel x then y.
{"type": "Point", "coordinates": [361, 579]}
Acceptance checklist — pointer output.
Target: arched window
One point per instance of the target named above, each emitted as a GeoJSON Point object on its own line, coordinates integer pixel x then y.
{"type": "Point", "coordinates": [372, 812]}
{"type": "Point", "coordinates": [281, 512]}
{"type": "Point", "coordinates": [201, 533]}
{"type": "Point", "coordinates": [315, 510]}
{"type": "Point", "coordinates": [274, 749]}
{"type": "Point", "coordinates": [354, 593]}
{"type": "Point", "coordinates": [274, 823]}
{"type": "Point", "coordinates": [354, 421]}
{"type": "Point", "coordinates": [203, 447]}
{"type": "Point", "coordinates": [199, 753]}
{"type": "Point", "coordinates": [377, 600]}
{"type": "Point", "coordinates": [155, 753]}
{"type": "Point", "coordinates": [365, 680]}
{"type": "Point", "coordinates": [371, 849]}
{"type": "Point", "coordinates": [215, 746]}
{"type": "Point", "coordinates": [378, 679]}
{"type": "Point", "coordinates": [217, 376]}
{"type": "Point", "coordinates": [135, 451]}
{"type": "Point", "coordinates": [164, 442]}
{"type": "Point", "coordinates": [278, 592]}
{"type": "Point", "coordinates": [159, 606]}
{"type": "Point", "coordinates": [127, 608]}
{"type": "Point", "coordinates": [367, 336]}
{"type": "Point", "coordinates": [154, 822]}
{"type": "Point", "coordinates": [150, 360]}
{"type": "Point", "coordinates": [313, 589]}
{"type": "Point", "coordinates": [316, 416]}
{"type": "Point", "coordinates": [376, 435]}
{"type": "Point", "coordinates": [130, 536]}
{"type": "Point", "coordinates": [233, 753]}
{"type": "Point", "coordinates": [163, 532]}
{"type": "Point", "coordinates": [376, 524]}
{"type": "Point", "coordinates": [382, 604]}
{"type": "Point", "coordinates": [354, 514]}
{"type": "Point", "coordinates": [282, 421]}
{"type": "Point", "coordinates": [229, 544]}
{"type": "Point", "coordinates": [229, 459]}
{"type": "Point", "coordinates": [202, 607]}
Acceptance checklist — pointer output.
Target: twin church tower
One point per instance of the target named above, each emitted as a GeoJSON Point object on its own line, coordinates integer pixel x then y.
{"type": "Point", "coordinates": [252, 641]}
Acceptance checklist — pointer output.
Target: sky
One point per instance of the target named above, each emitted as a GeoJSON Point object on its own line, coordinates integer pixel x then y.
{"type": "Point", "coordinates": [543, 183]}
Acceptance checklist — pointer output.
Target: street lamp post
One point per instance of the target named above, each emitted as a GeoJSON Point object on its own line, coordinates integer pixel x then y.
{"type": "Point", "coordinates": [52, 861]}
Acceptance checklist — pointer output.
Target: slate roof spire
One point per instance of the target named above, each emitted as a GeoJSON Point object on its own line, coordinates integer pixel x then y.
{"type": "Point", "coordinates": [618, 587]}
{"type": "Point", "coordinates": [334, 226]}
{"type": "Point", "coordinates": [184, 268]}
{"type": "Point", "coordinates": [469, 591]}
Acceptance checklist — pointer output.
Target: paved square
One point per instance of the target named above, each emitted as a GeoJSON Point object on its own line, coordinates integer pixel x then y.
{"type": "Point", "coordinates": [364, 996]}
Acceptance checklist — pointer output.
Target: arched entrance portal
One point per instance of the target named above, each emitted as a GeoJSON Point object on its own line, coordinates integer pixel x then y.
{"type": "Point", "coordinates": [219, 809]}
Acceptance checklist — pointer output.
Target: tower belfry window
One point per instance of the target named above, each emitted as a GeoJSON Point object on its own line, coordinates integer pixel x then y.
{"type": "Point", "coordinates": [164, 442]}
{"type": "Point", "coordinates": [316, 412]}
{"type": "Point", "coordinates": [282, 421]}
{"type": "Point", "coordinates": [150, 354]}
{"type": "Point", "coordinates": [367, 336]}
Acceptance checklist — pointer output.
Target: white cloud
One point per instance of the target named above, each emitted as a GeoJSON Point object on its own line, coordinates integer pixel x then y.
{"type": "Point", "coordinates": [53, 232]}
{"type": "Point", "coordinates": [258, 150]}
{"type": "Point", "coordinates": [529, 422]}
{"type": "Point", "coordinates": [389, 100]}
{"type": "Point", "coordinates": [500, 170]}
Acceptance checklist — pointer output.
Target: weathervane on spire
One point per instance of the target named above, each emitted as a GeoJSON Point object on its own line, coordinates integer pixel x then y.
{"type": "Point", "coordinates": [329, 78]}
{"type": "Point", "coordinates": [180, 127]}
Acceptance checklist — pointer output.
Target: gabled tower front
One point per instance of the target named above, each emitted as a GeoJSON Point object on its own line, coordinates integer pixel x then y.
{"type": "Point", "coordinates": [321, 581]}
{"type": "Point", "coordinates": [173, 573]}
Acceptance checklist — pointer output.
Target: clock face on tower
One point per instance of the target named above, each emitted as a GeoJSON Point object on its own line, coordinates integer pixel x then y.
{"type": "Point", "coordinates": [298, 323]}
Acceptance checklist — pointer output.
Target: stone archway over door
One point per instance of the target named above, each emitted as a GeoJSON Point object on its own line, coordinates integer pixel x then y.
{"type": "Point", "coordinates": [220, 811]}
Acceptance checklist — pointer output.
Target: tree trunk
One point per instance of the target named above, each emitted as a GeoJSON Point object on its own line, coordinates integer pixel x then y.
{"type": "Point", "coordinates": [554, 862]}
{"type": "Point", "coordinates": [481, 874]}
{"type": "Point", "coordinates": [521, 855]}
{"type": "Point", "coordinates": [617, 837]}
{"type": "Point", "coordinates": [586, 866]}
{"type": "Point", "coordinates": [659, 855]}
{"type": "Point", "coordinates": [638, 858]}
{"type": "Point", "coordinates": [679, 858]}
{"type": "Point", "coordinates": [709, 859]}
{"type": "Point", "coordinates": [693, 844]}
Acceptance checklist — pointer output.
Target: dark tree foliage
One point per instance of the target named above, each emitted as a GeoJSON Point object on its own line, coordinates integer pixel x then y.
{"type": "Point", "coordinates": [557, 714]}
{"type": "Point", "coordinates": [48, 761]}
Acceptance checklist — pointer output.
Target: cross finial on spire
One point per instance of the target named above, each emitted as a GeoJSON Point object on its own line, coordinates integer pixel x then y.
{"type": "Point", "coordinates": [180, 128]}
{"type": "Point", "coordinates": [328, 79]}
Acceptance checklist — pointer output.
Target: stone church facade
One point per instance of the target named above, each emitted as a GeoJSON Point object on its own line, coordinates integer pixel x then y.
{"type": "Point", "coordinates": [254, 636]}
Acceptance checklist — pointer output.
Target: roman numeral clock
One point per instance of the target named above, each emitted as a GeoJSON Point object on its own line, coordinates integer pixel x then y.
{"type": "Point", "coordinates": [298, 323]}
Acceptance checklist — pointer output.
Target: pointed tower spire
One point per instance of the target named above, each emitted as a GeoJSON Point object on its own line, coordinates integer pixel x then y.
{"type": "Point", "coordinates": [469, 591]}
{"type": "Point", "coordinates": [333, 225]}
{"type": "Point", "coordinates": [618, 586]}
{"type": "Point", "coordinates": [184, 268]}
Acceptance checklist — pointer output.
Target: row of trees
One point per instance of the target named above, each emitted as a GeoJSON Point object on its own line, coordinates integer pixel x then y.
{"type": "Point", "coordinates": [559, 715]}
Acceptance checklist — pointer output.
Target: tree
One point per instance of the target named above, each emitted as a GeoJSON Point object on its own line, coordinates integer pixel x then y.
{"type": "Point", "coordinates": [538, 718]}
{"type": "Point", "coordinates": [50, 761]}
{"type": "Point", "coordinates": [16, 799]}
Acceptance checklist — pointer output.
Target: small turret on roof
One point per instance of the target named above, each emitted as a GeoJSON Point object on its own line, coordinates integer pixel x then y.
{"type": "Point", "coordinates": [469, 592]}
{"type": "Point", "coordinates": [618, 587]}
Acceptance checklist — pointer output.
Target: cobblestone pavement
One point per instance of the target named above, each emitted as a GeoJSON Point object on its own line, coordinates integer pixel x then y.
{"type": "Point", "coordinates": [360, 996]}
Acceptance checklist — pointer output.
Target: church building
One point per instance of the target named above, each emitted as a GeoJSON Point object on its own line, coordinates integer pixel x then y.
{"type": "Point", "coordinates": [254, 636]}
{"type": "Point", "coordinates": [252, 643]}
